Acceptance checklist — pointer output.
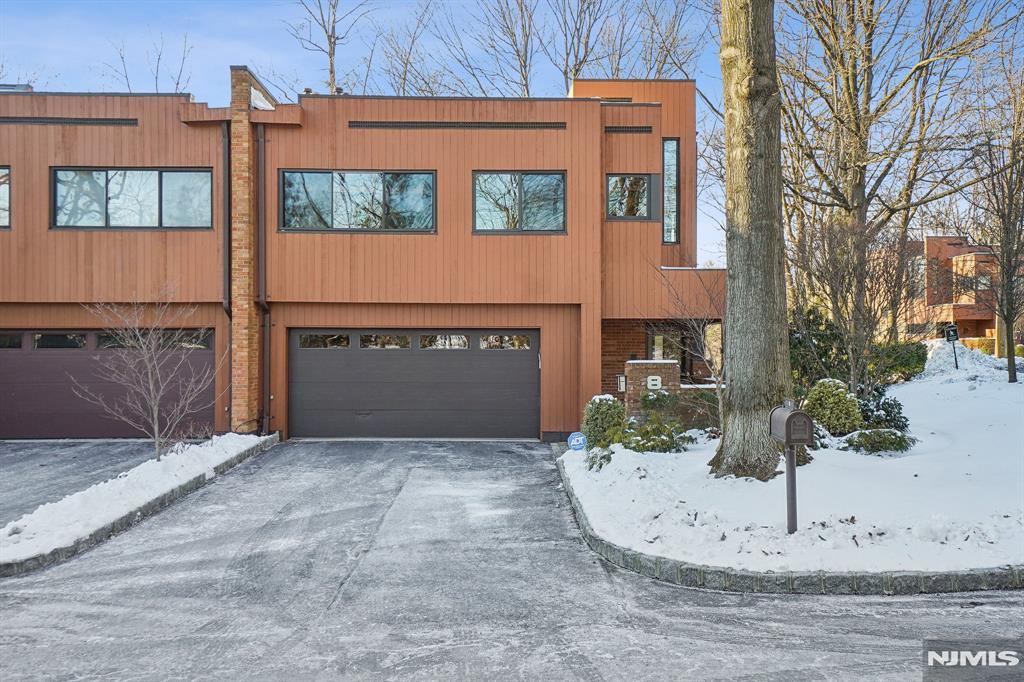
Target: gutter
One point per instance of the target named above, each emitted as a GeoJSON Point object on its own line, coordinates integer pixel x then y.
{"type": "Point", "coordinates": [261, 272]}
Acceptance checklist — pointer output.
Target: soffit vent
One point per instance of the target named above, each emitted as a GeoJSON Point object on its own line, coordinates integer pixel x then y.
{"type": "Point", "coordinates": [66, 121]}
{"type": "Point", "coordinates": [628, 129]}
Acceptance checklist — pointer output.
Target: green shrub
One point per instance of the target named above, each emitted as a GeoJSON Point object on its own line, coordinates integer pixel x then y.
{"type": "Point", "coordinates": [1018, 350]}
{"type": "Point", "coordinates": [894, 362]}
{"type": "Point", "coordinates": [831, 405]}
{"type": "Point", "coordinates": [882, 412]}
{"type": "Point", "coordinates": [879, 440]}
{"type": "Point", "coordinates": [982, 344]}
{"type": "Point", "coordinates": [816, 349]}
{"type": "Point", "coordinates": [658, 400]}
{"type": "Point", "coordinates": [597, 458]}
{"type": "Point", "coordinates": [602, 415]}
{"type": "Point", "coordinates": [654, 435]}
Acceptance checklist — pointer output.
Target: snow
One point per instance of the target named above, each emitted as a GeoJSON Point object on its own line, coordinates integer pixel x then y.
{"type": "Point", "coordinates": [76, 516]}
{"type": "Point", "coordinates": [954, 501]}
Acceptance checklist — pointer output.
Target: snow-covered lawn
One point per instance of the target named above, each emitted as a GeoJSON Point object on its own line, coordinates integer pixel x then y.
{"type": "Point", "coordinates": [954, 501]}
{"type": "Point", "coordinates": [76, 516]}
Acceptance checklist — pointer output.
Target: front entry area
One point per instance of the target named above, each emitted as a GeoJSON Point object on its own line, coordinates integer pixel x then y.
{"type": "Point", "coordinates": [414, 383]}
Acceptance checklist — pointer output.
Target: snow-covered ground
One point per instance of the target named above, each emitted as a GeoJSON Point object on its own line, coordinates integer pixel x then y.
{"type": "Point", "coordinates": [76, 516]}
{"type": "Point", "coordinates": [954, 501]}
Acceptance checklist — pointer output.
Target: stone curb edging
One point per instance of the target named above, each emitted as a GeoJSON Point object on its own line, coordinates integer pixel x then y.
{"type": "Point", "coordinates": [812, 582]}
{"type": "Point", "coordinates": [133, 517]}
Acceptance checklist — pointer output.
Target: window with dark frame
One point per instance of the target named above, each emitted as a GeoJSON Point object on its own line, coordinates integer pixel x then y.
{"type": "Point", "coordinates": [323, 341]}
{"type": "Point", "coordinates": [670, 180]}
{"type": "Point", "coordinates": [629, 197]}
{"type": "Point", "coordinates": [384, 341]}
{"type": "Point", "coordinates": [357, 201]}
{"type": "Point", "coordinates": [444, 342]}
{"type": "Point", "coordinates": [57, 341]}
{"type": "Point", "coordinates": [5, 197]}
{"type": "Point", "coordinates": [127, 198]}
{"type": "Point", "coordinates": [515, 202]}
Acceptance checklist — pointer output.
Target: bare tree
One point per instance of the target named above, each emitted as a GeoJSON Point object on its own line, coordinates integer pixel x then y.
{"type": "Point", "coordinates": [175, 79]}
{"type": "Point", "coordinates": [405, 66]}
{"type": "Point", "coordinates": [757, 371]}
{"type": "Point", "coordinates": [992, 215]}
{"type": "Point", "coordinates": [651, 39]}
{"type": "Point", "coordinates": [573, 41]}
{"type": "Point", "coordinates": [325, 25]}
{"type": "Point", "coordinates": [874, 121]}
{"type": "Point", "coordinates": [146, 359]}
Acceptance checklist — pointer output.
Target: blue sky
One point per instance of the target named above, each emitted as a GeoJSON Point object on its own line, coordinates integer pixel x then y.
{"type": "Point", "coordinates": [65, 44]}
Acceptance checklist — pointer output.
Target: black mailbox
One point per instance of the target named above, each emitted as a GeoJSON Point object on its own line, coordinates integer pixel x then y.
{"type": "Point", "coordinates": [790, 426]}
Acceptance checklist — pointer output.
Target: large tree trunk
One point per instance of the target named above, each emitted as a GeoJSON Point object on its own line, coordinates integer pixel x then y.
{"type": "Point", "coordinates": [757, 374]}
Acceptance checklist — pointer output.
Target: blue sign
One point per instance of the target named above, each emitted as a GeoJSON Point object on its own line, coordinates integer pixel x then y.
{"type": "Point", "coordinates": [577, 441]}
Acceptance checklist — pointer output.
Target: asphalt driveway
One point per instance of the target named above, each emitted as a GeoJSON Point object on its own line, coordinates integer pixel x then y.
{"type": "Point", "coordinates": [427, 560]}
{"type": "Point", "coordinates": [35, 472]}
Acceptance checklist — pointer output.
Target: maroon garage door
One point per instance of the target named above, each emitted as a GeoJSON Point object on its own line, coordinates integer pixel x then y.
{"type": "Point", "coordinates": [36, 396]}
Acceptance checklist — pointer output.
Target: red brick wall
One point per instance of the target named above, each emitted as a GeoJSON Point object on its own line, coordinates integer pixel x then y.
{"type": "Point", "coordinates": [621, 340]}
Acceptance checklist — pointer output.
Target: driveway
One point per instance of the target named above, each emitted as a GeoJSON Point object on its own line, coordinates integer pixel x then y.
{"type": "Point", "coordinates": [361, 560]}
{"type": "Point", "coordinates": [35, 472]}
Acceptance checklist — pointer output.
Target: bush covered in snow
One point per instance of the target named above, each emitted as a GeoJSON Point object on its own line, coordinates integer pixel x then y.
{"type": "Point", "coordinates": [831, 405]}
{"type": "Point", "coordinates": [658, 400]}
{"type": "Point", "coordinates": [656, 434]}
{"type": "Point", "coordinates": [881, 411]}
{"type": "Point", "coordinates": [602, 416]}
{"type": "Point", "coordinates": [874, 441]}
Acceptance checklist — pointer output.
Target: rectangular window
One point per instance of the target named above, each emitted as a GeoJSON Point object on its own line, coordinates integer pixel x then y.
{"type": "Point", "coordinates": [670, 180]}
{"type": "Point", "coordinates": [10, 340]}
{"type": "Point", "coordinates": [133, 198]}
{"type": "Point", "coordinates": [984, 282]}
{"type": "Point", "coordinates": [519, 202]}
{"type": "Point", "coordinates": [384, 341]}
{"type": "Point", "coordinates": [323, 341]}
{"type": "Point", "coordinates": [347, 200]}
{"type": "Point", "coordinates": [505, 342]}
{"type": "Point", "coordinates": [629, 196]}
{"type": "Point", "coordinates": [188, 339]}
{"type": "Point", "coordinates": [58, 340]}
{"type": "Point", "coordinates": [444, 341]}
{"type": "Point", "coordinates": [5, 197]}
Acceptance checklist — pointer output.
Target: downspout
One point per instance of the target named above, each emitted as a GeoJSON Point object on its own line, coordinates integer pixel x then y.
{"type": "Point", "coordinates": [261, 274]}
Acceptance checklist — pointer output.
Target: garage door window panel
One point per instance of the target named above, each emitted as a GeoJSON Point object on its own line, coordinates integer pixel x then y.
{"type": "Point", "coordinates": [444, 342]}
{"type": "Point", "coordinates": [62, 341]}
{"type": "Point", "coordinates": [384, 342]}
{"type": "Point", "coordinates": [504, 342]}
{"type": "Point", "coordinates": [323, 341]}
{"type": "Point", "coordinates": [10, 341]}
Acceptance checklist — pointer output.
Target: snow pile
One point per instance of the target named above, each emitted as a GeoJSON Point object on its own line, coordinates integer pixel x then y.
{"type": "Point", "coordinates": [76, 516]}
{"type": "Point", "coordinates": [954, 501]}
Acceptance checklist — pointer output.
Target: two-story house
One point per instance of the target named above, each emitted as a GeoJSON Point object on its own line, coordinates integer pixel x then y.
{"type": "Point", "coordinates": [367, 266]}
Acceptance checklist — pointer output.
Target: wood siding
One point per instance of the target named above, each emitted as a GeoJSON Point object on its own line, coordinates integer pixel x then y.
{"type": "Point", "coordinates": [39, 264]}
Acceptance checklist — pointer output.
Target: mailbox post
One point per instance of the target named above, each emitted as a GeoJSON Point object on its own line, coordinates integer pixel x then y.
{"type": "Point", "coordinates": [791, 427]}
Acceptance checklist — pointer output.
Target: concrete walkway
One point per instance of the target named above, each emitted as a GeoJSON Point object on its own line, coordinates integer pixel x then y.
{"type": "Point", "coordinates": [356, 560]}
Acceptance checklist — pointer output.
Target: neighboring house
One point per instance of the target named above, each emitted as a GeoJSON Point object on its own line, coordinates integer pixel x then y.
{"type": "Point", "coordinates": [395, 266]}
{"type": "Point", "coordinates": [953, 285]}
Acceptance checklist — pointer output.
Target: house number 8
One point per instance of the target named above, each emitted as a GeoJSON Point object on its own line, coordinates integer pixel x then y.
{"type": "Point", "coordinates": [653, 383]}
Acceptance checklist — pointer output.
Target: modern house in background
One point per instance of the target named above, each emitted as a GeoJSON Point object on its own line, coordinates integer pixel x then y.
{"type": "Point", "coordinates": [368, 266]}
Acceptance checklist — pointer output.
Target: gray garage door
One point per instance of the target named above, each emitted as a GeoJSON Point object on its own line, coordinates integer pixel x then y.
{"type": "Point", "coordinates": [400, 383]}
{"type": "Point", "coordinates": [37, 399]}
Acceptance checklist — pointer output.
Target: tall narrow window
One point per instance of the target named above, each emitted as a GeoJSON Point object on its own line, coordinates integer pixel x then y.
{"type": "Point", "coordinates": [133, 198]}
{"type": "Point", "coordinates": [5, 197]}
{"type": "Point", "coordinates": [519, 202]}
{"type": "Point", "coordinates": [670, 217]}
{"type": "Point", "coordinates": [629, 196]}
{"type": "Point", "coordinates": [350, 200]}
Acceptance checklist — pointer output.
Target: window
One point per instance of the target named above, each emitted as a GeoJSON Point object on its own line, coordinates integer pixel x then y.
{"type": "Point", "coordinates": [384, 341]}
{"type": "Point", "coordinates": [629, 196]}
{"type": "Point", "coordinates": [188, 339]}
{"type": "Point", "coordinates": [984, 282]}
{"type": "Point", "coordinates": [133, 198]}
{"type": "Point", "coordinates": [5, 197]}
{"type": "Point", "coordinates": [10, 340]}
{"type": "Point", "coordinates": [444, 341]}
{"type": "Point", "coordinates": [323, 341]}
{"type": "Point", "coordinates": [519, 202]}
{"type": "Point", "coordinates": [505, 342]}
{"type": "Point", "coordinates": [670, 181]}
{"type": "Point", "coordinates": [337, 200]}
{"type": "Point", "coordinates": [58, 340]}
